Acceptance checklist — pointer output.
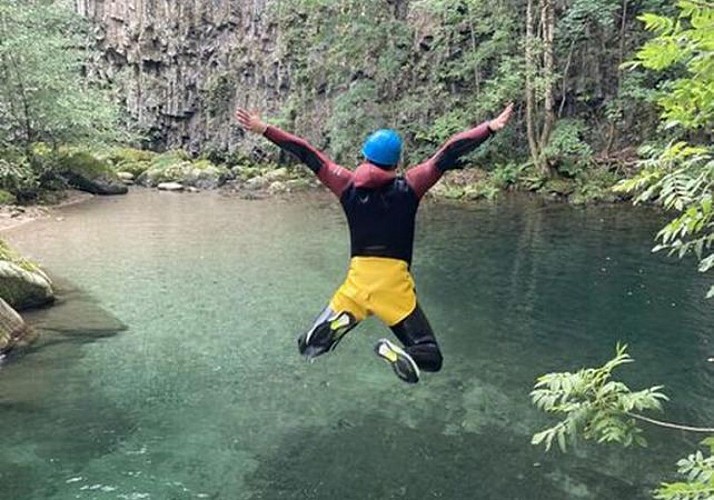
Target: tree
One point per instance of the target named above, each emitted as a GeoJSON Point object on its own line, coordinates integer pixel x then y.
{"type": "Point", "coordinates": [680, 174]}
{"type": "Point", "coordinates": [43, 95]}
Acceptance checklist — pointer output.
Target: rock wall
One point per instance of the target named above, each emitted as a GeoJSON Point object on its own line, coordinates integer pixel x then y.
{"type": "Point", "coordinates": [181, 66]}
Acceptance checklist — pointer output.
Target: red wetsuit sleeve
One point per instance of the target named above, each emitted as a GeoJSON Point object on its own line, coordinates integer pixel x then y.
{"type": "Point", "coordinates": [335, 177]}
{"type": "Point", "coordinates": [423, 176]}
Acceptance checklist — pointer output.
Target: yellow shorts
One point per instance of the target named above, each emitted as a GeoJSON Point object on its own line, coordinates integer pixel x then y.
{"type": "Point", "coordinates": [376, 285]}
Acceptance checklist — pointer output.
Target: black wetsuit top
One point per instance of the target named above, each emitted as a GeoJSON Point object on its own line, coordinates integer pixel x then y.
{"type": "Point", "coordinates": [381, 206]}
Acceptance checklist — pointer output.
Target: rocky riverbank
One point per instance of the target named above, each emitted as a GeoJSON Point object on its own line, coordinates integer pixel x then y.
{"type": "Point", "coordinates": [23, 284]}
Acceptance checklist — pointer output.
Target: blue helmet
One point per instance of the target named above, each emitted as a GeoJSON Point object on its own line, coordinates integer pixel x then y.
{"type": "Point", "coordinates": [383, 147]}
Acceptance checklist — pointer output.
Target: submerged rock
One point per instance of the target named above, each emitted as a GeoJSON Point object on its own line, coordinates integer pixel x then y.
{"type": "Point", "coordinates": [75, 314]}
{"type": "Point", "coordinates": [24, 288]}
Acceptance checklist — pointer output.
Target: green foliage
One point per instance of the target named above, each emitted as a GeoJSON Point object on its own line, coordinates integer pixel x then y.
{"type": "Point", "coordinates": [407, 67]}
{"type": "Point", "coordinates": [18, 178]}
{"type": "Point", "coordinates": [559, 187]}
{"type": "Point", "coordinates": [85, 164]}
{"type": "Point", "coordinates": [45, 100]}
{"type": "Point", "coordinates": [354, 116]}
{"type": "Point", "coordinates": [566, 149]}
{"type": "Point", "coordinates": [7, 198]}
{"type": "Point", "coordinates": [118, 155]}
{"type": "Point", "coordinates": [698, 468]}
{"type": "Point", "coordinates": [219, 93]}
{"type": "Point", "coordinates": [169, 158]}
{"type": "Point", "coordinates": [42, 94]}
{"type": "Point", "coordinates": [680, 175]}
{"type": "Point", "coordinates": [125, 159]}
{"type": "Point", "coordinates": [506, 176]}
{"type": "Point", "coordinates": [686, 41]}
{"type": "Point", "coordinates": [592, 405]}
{"type": "Point", "coordinates": [595, 185]}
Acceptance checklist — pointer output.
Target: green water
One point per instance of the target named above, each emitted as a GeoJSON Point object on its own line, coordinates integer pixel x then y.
{"type": "Point", "coordinates": [203, 395]}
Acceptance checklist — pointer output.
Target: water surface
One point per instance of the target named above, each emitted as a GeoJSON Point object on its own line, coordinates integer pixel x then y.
{"type": "Point", "coordinates": [201, 392]}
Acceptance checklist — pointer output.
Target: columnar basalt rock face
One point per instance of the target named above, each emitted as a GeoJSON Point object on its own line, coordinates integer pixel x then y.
{"type": "Point", "coordinates": [181, 66]}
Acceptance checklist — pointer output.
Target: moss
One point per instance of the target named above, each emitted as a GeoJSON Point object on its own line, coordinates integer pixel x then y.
{"type": "Point", "coordinates": [135, 168]}
{"type": "Point", "coordinates": [85, 164]}
{"type": "Point", "coordinates": [203, 164]}
{"type": "Point", "coordinates": [120, 155]}
{"type": "Point", "coordinates": [7, 198]}
{"type": "Point", "coordinates": [561, 187]}
{"type": "Point", "coordinates": [169, 158]}
{"type": "Point", "coordinates": [7, 253]}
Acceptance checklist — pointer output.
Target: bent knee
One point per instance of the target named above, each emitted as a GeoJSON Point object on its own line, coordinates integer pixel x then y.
{"type": "Point", "coordinates": [427, 356]}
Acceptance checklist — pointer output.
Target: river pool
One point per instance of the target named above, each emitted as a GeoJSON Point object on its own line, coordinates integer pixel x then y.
{"type": "Point", "coordinates": [171, 370]}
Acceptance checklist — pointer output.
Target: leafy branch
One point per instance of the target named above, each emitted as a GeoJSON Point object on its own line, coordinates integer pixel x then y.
{"type": "Point", "coordinates": [593, 405]}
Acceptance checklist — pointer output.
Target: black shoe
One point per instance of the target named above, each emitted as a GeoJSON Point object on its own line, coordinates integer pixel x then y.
{"type": "Point", "coordinates": [325, 336]}
{"type": "Point", "coordinates": [402, 363]}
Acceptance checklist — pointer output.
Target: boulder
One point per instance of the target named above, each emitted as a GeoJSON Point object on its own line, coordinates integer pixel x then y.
{"type": "Point", "coordinates": [87, 173]}
{"type": "Point", "coordinates": [201, 174]}
{"type": "Point", "coordinates": [170, 186]}
{"type": "Point", "coordinates": [102, 184]}
{"type": "Point", "coordinates": [277, 187]}
{"type": "Point", "coordinates": [12, 327]}
{"type": "Point", "coordinates": [206, 178]}
{"type": "Point", "coordinates": [24, 288]}
{"type": "Point", "coordinates": [256, 183]}
{"type": "Point", "coordinates": [125, 176]}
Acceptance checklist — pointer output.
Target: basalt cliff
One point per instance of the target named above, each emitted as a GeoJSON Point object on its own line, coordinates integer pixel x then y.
{"type": "Point", "coordinates": [179, 67]}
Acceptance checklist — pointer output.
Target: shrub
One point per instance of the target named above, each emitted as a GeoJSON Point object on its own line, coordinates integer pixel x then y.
{"type": "Point", "coordinates": [7, 198]}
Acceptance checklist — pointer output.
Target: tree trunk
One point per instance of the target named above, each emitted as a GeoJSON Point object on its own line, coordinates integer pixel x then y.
{"type": "Point", "coordinates": [530, 87]}
{"type": "Point", "coordinates": [548, 20]}
{"type": "Point", "coordinates": [539, 134]}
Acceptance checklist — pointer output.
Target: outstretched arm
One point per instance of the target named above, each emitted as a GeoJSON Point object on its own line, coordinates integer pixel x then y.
{"type": "Point", "coordinates": [335, 177]}
{"type": "Point", "coordinates": [425, 175]}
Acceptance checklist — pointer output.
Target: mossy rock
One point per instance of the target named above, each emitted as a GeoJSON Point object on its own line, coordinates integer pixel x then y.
{"type": "Point", "coordinates": [118, 156]}
{"type": "Point", "coordinates": [24, 289]}
{"type": "Point", "coordinates": [169, 158]}
{"type": "Point", "coordinates": [87, 173]}
{"type": "Point", "coordinates": [560, 187]}
{"type": "Point", "coordinates": [589, 194]}
{"type": "Point", "coordinates": [246, 172]}
{"type": "Point", "coordinates": [135, 168]}
{"type": "Point", "coordinates": [10, 255]}
{"type": "Point", "coordinates": [481, 190]}
{"type": "Point", "coordinates": [12, 327]}
{"type": "Point", "coordinates": [201, 174]}
{"type": "Point", "coordinates": [301, 184]}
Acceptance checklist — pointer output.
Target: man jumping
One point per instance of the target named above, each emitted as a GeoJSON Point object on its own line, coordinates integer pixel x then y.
{"type": "Point", "coordinates": [381, 209]}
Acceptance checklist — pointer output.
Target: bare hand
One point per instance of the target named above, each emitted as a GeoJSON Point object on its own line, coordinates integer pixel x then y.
{"type": "Point", "coordinates": [250, 121]}
{"type": "Point", "coordinates": [500, 121]}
